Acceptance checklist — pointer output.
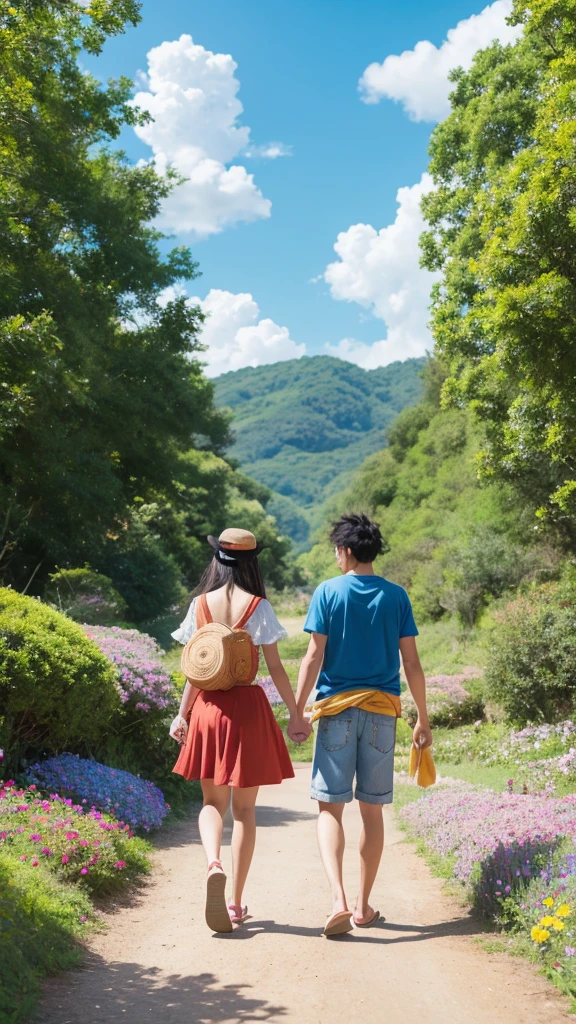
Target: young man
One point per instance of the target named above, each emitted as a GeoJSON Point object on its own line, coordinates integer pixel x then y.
{"type": "Point", "coordinates": [359, 624]}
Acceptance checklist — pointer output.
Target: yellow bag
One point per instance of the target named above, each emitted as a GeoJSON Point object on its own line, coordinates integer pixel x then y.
{"type": "Point", "coordinates": [422, 766]}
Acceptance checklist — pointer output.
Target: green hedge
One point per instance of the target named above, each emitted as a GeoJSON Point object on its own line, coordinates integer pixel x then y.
{"type": "Point", "coordinates": [57, 691]}
{"type": "Point", "coordinates": [531, 669]}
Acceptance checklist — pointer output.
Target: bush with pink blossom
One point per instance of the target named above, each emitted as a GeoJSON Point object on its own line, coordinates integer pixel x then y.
{"type": "Point", "coordinates": [95, 850]}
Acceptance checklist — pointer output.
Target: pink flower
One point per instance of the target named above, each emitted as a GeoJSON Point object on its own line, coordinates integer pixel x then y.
{"type": "Point", "coordinates": [84, 871]}
{"type": "Point", "coordinates": [120, 864]}
{"type": "Point", "coordinates": [65, 858]}
{"type": "Point", "coordinates": [35, 863]}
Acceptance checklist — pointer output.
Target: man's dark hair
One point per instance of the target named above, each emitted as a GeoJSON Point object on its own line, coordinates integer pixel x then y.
{"type": "Point", "coordinates": [358, 533]}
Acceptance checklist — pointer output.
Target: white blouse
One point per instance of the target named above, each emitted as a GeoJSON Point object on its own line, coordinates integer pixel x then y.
{"type": "Point", "coordinates": [262, 625]}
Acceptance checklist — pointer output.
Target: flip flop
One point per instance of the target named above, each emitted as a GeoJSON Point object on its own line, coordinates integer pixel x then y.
{"type": "Point", "coordinates": [217, 916]}
{"type": "Point", "coordinates": [237, 918]}
{"type": "Point", "coordinates": [338, 924]}
{"type": "Point", "coordinates": [367, 924]}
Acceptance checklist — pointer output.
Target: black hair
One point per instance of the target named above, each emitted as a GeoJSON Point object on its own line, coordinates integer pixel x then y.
{"type": "Point", "coordinates": [245, 575]}
{"type": "Point", "coordinates": [360, 534]}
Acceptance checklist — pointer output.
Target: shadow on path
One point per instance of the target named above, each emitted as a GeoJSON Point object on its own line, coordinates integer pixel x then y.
{"type": "Point", "coordinates": [130, 993]}
{"type": "Point", "coordinates": [378, 934]}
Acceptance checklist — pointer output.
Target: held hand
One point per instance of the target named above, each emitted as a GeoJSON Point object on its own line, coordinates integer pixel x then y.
{"type": "Point", "coordinates": [422, 735]}
{"type": "Point", "coordinates": [179, 729]}
{"type": "Point", "coordinates": [299, 729]}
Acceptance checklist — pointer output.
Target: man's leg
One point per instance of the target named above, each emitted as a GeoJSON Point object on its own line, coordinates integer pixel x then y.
{"type": "Point", "coordinates": [371, 847]}
{"type": "Point", "coordinates": [374, 786]}
{"type": "Point", "coordinates": [331, 843]}
{"type": "Point", "coordinates": [333, 771]}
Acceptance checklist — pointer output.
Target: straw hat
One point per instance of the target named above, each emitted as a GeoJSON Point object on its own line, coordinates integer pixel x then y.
{"type": "Point", "coordinates": [234, 546]}
{"type": "Point", "coordinates": [217, 658]}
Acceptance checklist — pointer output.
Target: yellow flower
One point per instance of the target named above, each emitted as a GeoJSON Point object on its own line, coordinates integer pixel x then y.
{"type": "Point", "coordinates": [557, 924]}
{"type": "Point", "coordinates": [563, 911]}
{"type": "Point", "coordinates": [12, 11]}
{"type": "Point", "coordinates": [539, 934]}
{"type": "Point", "coordinates": [547, 921]}
{"type": "Point", "coordinates": [548, 902]}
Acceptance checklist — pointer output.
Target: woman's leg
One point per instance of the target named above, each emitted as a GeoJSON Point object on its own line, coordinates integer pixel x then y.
{"type": "Point", "coordinates": [210, 822]}
{"type": "Point", "coordinates": [243, 838]}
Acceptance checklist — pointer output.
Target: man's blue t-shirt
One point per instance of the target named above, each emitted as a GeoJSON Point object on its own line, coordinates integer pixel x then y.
{"type": "Point", "coordinates": [364, 618]}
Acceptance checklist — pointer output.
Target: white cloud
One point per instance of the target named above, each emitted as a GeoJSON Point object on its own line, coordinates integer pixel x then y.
{"type": "Point", "coordinates": [233, 333]}
{"type": "Point", "coordinates": [418, 78]}
{"type": "Point", "coordinates": [269, 151]}
{"type": "Point", "coordinates": [191, 94]}
{"type": "Point", "coordinates": [380, 271]}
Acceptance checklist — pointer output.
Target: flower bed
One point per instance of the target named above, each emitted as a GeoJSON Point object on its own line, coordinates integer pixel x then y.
{"type": "Point", "coordinates": [139, 802]}
{"type": "Point", "coordinates": [498, 841]}
{"type": "Point", "coordinates": [90, 848]}
{"type": "Point", "coordinates": [144, 683]}
{"type": "Point", "coordinates": [449, 702]}
{"type": "Point", "coordinates": [539, 758]}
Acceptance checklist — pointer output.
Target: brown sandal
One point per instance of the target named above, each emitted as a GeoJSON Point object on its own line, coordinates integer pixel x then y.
{"type": "Point", "coordinates": [217, 916]}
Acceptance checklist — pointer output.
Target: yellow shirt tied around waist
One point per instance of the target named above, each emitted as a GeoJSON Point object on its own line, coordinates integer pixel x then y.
{"type": "Point", "coordinates": [377, 702]}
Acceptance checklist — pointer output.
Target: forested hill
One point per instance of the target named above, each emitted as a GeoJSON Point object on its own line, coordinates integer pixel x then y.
{"type": "Point", "coordinates": [303, 425]}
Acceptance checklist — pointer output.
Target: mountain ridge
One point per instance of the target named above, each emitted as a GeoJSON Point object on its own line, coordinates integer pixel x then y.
{"type": "Point", "coordinates": [302, 425]}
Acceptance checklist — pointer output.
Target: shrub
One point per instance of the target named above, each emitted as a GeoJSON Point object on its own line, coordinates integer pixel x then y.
{"type": "Point", "coordinates": [137, 801]}
{"type": "Point", "coordinates": [144, 685]}
{"type": "Point", "coordinates": [449, 699]}
{"type": "Point", "coordinates": [531, 670]}
{"type": "Point", "coordinates": [91, 849]}
{"type": "Point", "coordinates": [85, 596]}
{"type": "Point", "coordinates": [56, 688]}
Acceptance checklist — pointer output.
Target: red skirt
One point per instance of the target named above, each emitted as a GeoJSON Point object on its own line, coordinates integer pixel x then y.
{"type": "Point", "coordinates": [234, 739]}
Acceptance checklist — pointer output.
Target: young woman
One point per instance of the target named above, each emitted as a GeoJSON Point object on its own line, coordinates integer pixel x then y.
{"type": "Point", "coordinates": [233, 743]}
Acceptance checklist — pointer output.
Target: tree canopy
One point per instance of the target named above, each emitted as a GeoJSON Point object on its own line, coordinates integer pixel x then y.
{"type": "Point", "coordinates": [105, 410]}
{"type": "Point", "coordinates": [503, 234]}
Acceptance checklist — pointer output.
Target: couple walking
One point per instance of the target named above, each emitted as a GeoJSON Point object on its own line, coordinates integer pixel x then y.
{"type": "Point", "coordinates": [359, 625]}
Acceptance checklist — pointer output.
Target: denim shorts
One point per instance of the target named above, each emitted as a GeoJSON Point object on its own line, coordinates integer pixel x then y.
{"type": "Point", "coordinates": [354, 743]}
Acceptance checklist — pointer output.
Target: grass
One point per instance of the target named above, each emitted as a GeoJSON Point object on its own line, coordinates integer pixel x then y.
{"type": "Point", "coordinates": [446, 650]}
{"type": "Point", "coordinates": [493, 776]}
{"type": "Point", "coordinates": [40, 924]}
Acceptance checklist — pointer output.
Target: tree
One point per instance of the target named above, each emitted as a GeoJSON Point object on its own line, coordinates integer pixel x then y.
{"type": "Point", "coordinates": [503, 233]}
{"type": "Point", "coordinates": [102, 391]}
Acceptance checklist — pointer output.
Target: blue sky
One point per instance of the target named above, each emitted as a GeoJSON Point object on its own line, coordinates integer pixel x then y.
{"type": "Point", "coordinates": [298, 68]}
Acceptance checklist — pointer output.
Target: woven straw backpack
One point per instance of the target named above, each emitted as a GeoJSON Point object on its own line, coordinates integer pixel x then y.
{"type": "Point", "coordinates": [218, 657]}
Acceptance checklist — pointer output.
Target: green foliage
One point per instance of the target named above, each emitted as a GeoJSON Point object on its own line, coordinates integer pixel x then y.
{"type": "Point", "coordinates": [57, 691]}
{"type": "Point", "coordinates": [455, 543]}
{"type": "Point", "coordinates": [40, 919]}
{"type": "Point", "coordinates": [532, 665]}
{"type": "Point", "coordinates": [503, 235]}
{"type": "Point", "coordinates": [303, 425]}
{"type": "Point", "coordinates": [87, 355]}
{"type": "Point", "coordinates": [85, 596]}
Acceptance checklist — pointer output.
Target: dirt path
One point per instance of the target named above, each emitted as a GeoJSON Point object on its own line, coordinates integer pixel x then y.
{"type": "Point", "coordinates": [158, 961]}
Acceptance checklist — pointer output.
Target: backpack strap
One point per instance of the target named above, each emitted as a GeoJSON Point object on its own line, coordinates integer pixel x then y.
{"type": "Point", "coordinates": [247, 613]}
{"type": "Point", "coordinates": [203, 616]}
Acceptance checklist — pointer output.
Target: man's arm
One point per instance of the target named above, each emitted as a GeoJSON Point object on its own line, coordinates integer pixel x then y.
{"type": "Point", "coordinates": [310, 669]}
{"type": "Point", "coordinates": [415, 677]}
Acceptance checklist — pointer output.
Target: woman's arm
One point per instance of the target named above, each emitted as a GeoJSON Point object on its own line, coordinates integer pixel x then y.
{"type": "Point", "coordinates": [297, 724]}
{"type": "Point", "coordinates": [179, 727]}
{"type": "Point", "coordinates": [422, 734]}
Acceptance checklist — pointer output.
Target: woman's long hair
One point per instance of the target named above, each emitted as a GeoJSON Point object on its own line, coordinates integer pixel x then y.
{"type": "Point", "coordinates": [245, 575]}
